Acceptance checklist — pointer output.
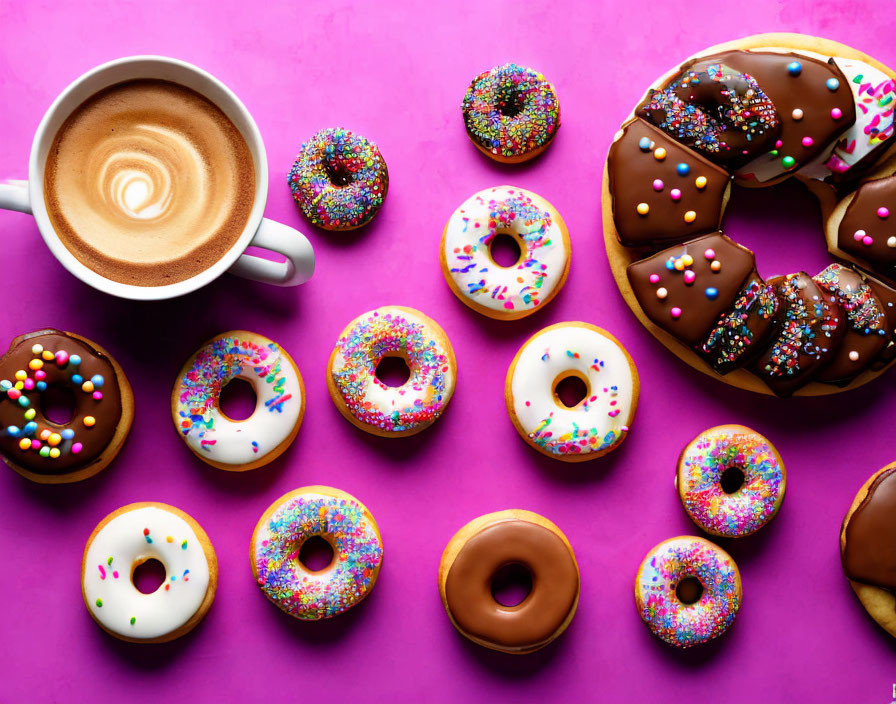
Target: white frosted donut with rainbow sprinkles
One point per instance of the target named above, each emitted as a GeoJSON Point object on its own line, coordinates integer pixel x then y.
{"type": "Point", "coordinates": [688, 591]}
{"type": "Point", "coordinates": [368, 403]}
{"type": "Point", "coordinates": [280, 401]}
{"type": "Point", "coordinates": [127, 538]}
{"type": "Point", "coordinates": [340, 519]}
{"type": "Point", "coordinates": [473, 274]}
{"type": "Point", "coordinates": [597, 424]}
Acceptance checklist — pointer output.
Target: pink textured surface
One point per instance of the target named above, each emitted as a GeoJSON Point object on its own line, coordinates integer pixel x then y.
{"type": "Point", "coordinates": [397, 75]}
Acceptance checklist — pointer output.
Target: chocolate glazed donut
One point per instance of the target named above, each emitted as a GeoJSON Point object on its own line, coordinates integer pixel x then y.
{"type": "Point", "coordinates": [49, 452]}
{"type": "Point", "coordinates": [476, 554]}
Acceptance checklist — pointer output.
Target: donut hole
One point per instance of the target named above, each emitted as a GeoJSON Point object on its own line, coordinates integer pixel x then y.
{"type": "Point", "coordinates": [393, 370]}
{"type": "Point", "coordinates": [689, 590]}
{"type": "Point", "coordinates": [316, 554]}
{"type": "Point", "coordinates": [570, 390]}
{"type": "Point", "coordinates": [511, 104]}
{"type": "Point", "coordinates": [148, 576]}
{"type": "Point", "coordinates": [511, 584]}
{"type": "Point", "coordinates": [237, 400]}
{"type": "Point", "coordinates": [57, 404]}
{"type": "Point", "coordinates": [732, 479]}
{"type": "Point", "coordinates": [337, 173]}
{"type": "Point", "coordinates": [505, 250]}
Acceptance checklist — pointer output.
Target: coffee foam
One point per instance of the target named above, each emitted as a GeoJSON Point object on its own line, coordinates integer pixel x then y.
{"type": "Point", "coordinates": [148, 183]}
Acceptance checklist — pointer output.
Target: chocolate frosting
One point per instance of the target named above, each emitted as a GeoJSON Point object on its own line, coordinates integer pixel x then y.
{"type": "Point", "coordinates": [861, 216]}
{"type": "Point", "coordinates": [633, 171]}
{"type": "Point", "coordinates": [700, 294]}
{"type": "Point", "coordinates": [866, 329]}
{"type": "Point", "coordinates": [869, 553]}
{"type": "Point", "coordinates": [812, 325]}
{"type": "Point", "coordinates": [886, 294]}
{"type": "Point", "coordinates": [107, 411]}
{"type": "Point", "coordinates": [534, 621]}
{"type": "Point", "coordinates": [807, 91]}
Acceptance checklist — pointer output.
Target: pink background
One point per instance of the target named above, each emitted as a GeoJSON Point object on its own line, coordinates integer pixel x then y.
{"type": "Point", "coordinates": [397, 74]}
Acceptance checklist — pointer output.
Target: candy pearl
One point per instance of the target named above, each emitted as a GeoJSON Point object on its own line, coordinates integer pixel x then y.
{"type": "Point", "coordinates": [675, 194]}
{"type": "Point", "coordinates": [883, 212]}
{"type": "Point", "coordinates": [858, 235]}
{"type": "Point", "coordinates": [832, 84]}
{"type": "Point", "coordinates": [891, 242]}
{"type": "Point", "coordinates": [37, 349]}
{"type": "Point", "coordinates": [76, 448]}
{"type": "Point", "coordinates": [87, 387]}
{"type": "Point", "coordinates": [661, 293]}
{"type": "Point", "coordinates": [670, 263]}
{"type": "Point", "coordinates": [654, 278]}
{"type": "Point", "coordinates": [75, 360]}
{"type": "Point", "coordinates": [98, 381]}
{"type": "Point", "coordinates": [41, 386]}
{"type": "Point", "coordinates": [35, 364]}
{"type": "Point", "coordinates": [797, 114]}
{"type": "Point", "coordinates": [67, 434]}
{"type": "Point", "coordinates": [54, 452]}
{"type": "Point", "coordinates": [867, 240]}
{"type": "Point", "coordinates": [24, 444]}
{"type": "Point", "coordinates": [47, 356]}
{"type": "Point", "coordinates": [89, 421]}
{"type": "Point", "coordinates": [853, 356]}
{"type": "Point", "coordinates": [794, 68]}
{"type": "Point", "coordinates": [716, 266]}
{"type": "Point", "coordinates": [709, 253]}
{"type": "Point", "coordinates": [675, 312]}
{"type": "Point", "coordinates": [77, 379]}
{"type": "Point", "coordinates": [29, 384]}
{"type": "Point", "coordinates": [21, 375]}
{"type": "Point", "coordinates": [20, 385]}
{"type": "Point", "coordinates": [700, 182]}
{"type": "Point", "coordinates": [779, 144]}
{"type": "Point", "coordinates": [683, 169]}
{"type": "Point", "coordinates": [659, 154]}
{"type": "Point", "coordinates": [644, 144]}
{"type": "Point", "coordinates": [30, 428]}
{"type": "Point", "coordinates": [54, 439]}
{"type": "Point", "coordinates": [712, 293]}
{"type": "Point", "coordinates": [788, 162]}
{"type": "Point", "coordinates": [13, 394]}
{"type": "Point", "coordinates": [658, 185]}
{"type": "Point", "coordinates": [35, 444]}
{"type": "Point", "coordinates": [689, 277]}
{"type": "Point", "coordinates": [13, 431]}
{"type": "Point", "coordinates": [30, 413]}
{"type": "Point", "coordinates": [690, 216]}
{"type": "Point", "coordinates": [45, 434]}
{"type": "Point", "coordinates": [40, 374]}
{"type": "Point", "coordinates": [836, 114]}
{"type": "Point", "coordinates": [97, 395]}
{"type": "Point", "coordinates": [6, 385]}
{"type": "Point", "coordinates": [808, 141]}
{"type": "Point", "coordinates": [679, 265]}
{"type": "Point", "coordinates": [62, 358]}
{"type": "Point", "coordinates": [45, 451]}
{"type": "Point", "coordinates": [687, 259]}
{"type": "Point", "coordinates": [643, 208]}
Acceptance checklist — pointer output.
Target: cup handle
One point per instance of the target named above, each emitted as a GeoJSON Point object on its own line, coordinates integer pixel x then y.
{"type": "Point", "coordinates": [14, 196]}
{"type": "Point", "coordinates": [292, 244]}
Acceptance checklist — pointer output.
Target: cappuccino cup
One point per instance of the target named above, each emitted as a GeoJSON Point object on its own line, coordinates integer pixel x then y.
{"type": "Point", "coordinates": [148, 226]}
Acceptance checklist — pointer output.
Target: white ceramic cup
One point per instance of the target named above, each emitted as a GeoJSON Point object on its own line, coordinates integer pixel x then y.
{"type": "Point", "coordinates": [28, 196]}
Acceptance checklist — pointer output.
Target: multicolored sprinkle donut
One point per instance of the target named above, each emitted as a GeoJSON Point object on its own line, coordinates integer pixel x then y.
{"type": "Point", "coordinates": [731, 508]}
{"type": "Point", "coordinates": [279, 390]}
{"type": "Point", "coordinates": [478, 280]}
{"type": "Point", "coordinates": [368, 403]}
{"type": "Point", "coordinates": [339, 179]}
{"type": "Point", "coordinates": [710, 606]}
{"type": "Point", "coordinates": [340, 519]}
{"type": "Point", "coordinates": [511, 113]}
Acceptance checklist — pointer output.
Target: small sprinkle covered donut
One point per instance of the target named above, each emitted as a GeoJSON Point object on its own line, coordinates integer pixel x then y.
{"type": "Point", "coordinates": [123, 541]}
{"type": "Point", "coordinates": [280, 407]}
{"type": "Point", "coordinates": [339, 179]}
{"type": "Point", "coordinates": [473, 560]}
{"type": "Point", "coordinates": [731, 481]}
{"type": "Point", "coordinates": [368, 403]}
{"type": "Point", "coordinates": [478, 280]}
{"type": "Point", "coordinates": [688, 591]}
{"type": "Point", "coordinates": [511, 113]}
{"type": "Point", "coordinates": [340, 519]}
{"type": "Point", "coordinates": [103, 407]}
{"type": "Point", "coordinates": [601, 420]}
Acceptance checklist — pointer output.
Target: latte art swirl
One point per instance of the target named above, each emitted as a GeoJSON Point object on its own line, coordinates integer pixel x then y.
{"type": "Point", "coordinates": [149, 183]}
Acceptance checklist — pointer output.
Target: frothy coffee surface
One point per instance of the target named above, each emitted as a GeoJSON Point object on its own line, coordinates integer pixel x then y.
{"type": "Point", "coordinates": [149, 183]}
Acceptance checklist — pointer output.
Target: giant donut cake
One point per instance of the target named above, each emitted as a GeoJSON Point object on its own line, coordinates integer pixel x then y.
{"type": "Point", "coordinates": [757, 112]}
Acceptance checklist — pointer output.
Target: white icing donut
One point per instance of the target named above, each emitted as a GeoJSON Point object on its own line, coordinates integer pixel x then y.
{"type": "Point", "coordinates": [131, 537]}
{"type": "Point", "coordinates": [278, 412]}
{"type": "Point", "coordinates": [596, 425]}
{"type": "Point", "coordinates": [494, 290]}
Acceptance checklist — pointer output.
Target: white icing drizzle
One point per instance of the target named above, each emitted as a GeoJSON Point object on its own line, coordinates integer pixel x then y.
{"type": "Point", "coordinates": [535, 225]}
{"type": "Point", "coordinates": [261, 363]}
{"type": "Point", "coordinates": [121, 544]}
{"type": "Point", "coordinates": [597, 424]}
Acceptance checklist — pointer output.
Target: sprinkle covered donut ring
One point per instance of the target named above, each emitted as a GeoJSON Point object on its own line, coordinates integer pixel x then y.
{"type": "Point", "coordinates": [497, 291]}
{"type": "Point", "coordinates": [280, 406]}
{"type": "Point", "coordinates": [753, 113]}
{"type": "Point", "coordinates": [123, 541]}
{"type": "Point", "coordinates": [340, 519]}
{"type": "Point", "coordinates": [472, 561]}
{"type": "Point", "coordinates": [730, 480]}
{"type": "Point", "coordinates": [371, 405]}
{"type": "Point", "coordinates": [687, 591]}
{"type": "Point", "coordinates": [866, 547]}
{"type": "Point", "coordinates": [103, 407]}
{"type": "Point", "coordinates": [601, 420]}
{"type": "Point", "coordinates": [511, 113]}
{"type": "Point", "coordinates": [339, 179]}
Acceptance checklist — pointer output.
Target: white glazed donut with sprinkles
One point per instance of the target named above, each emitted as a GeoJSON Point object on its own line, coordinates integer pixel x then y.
{"type": "Point", "coordinates": [505, 292]}
{"type": "Point", "coordinates": [601, 420]}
